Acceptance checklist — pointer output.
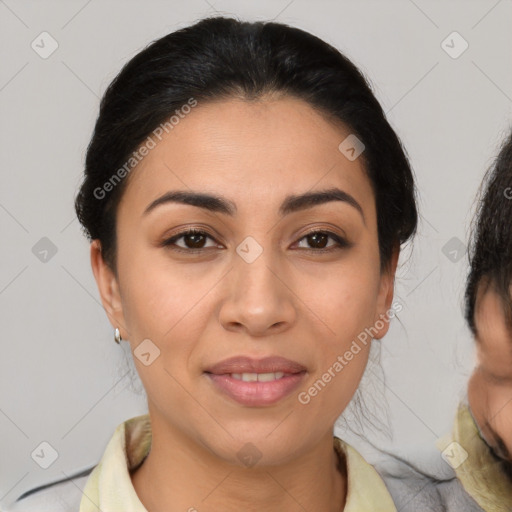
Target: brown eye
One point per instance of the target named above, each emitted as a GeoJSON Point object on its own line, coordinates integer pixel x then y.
{"type": "Point", "coordinates": [192, 239]}
{"type": "Point", "coordinates": [318, 241]}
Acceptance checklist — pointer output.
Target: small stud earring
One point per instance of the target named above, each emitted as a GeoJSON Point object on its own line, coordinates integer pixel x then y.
{"type": "Point", "coordinates": [117, 336]}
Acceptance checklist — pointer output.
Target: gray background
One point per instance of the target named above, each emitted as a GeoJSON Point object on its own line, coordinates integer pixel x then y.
{"type": "Point", "coordinates": [62, 378]}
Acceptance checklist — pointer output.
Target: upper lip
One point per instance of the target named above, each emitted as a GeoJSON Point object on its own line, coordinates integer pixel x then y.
{"type": "Point", "coordinates": [244, 364]}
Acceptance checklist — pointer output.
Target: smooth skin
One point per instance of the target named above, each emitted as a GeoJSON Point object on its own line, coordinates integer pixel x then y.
{"type": "Point", "coordinates": [303, 298]}
{"type": "Point", "coordinates": [490, 386]}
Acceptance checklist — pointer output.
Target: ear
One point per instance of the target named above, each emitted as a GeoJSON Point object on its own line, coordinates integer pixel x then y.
{"type": "Point", "coordinates": [386, 293]}
{"type": "Point", "coordinates": [108, 287]}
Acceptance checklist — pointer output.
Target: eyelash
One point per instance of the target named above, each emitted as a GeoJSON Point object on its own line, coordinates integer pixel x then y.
{"type": "Point", "coordinates": [340, 241]}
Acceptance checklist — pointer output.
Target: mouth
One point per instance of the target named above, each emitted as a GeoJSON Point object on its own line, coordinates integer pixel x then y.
{"type": "Point", "coordinates": [258, 377]}
{"type": "Point", "coordinates": [256, 383]}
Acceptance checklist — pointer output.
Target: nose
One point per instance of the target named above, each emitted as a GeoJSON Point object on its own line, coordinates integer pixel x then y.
{"type": "Point", "coordinates": [257, 300]}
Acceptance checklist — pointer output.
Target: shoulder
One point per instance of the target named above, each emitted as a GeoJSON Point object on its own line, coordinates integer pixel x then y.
{"type": "Point", "coordinates": [429, 486]}
{"type": "Point", "coordinates": [413, 489]}
{"type": "Point", "coordinates": [61, 496]}
{"type": "Point", "coordinates": [482, 474]}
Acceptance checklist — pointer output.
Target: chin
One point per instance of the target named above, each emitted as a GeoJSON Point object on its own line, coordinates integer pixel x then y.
{"type": "Point", "coordinates": [256, 448]}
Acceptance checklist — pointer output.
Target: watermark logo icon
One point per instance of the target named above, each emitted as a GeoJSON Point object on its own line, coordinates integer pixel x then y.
{"type": "Point", "coordinates": [454, 455]}
{"type": "Point", "coordinates": [44, 45]}
{"type": "Point", "coordinates": [249, 250]}
{"type": "Point", "coordinates": [44, 455]}
{"type": "Point", "coordinates": [249, 455]}
{"type": "Point", "coordinates": [454, 249]}
{"type": "Point", "coordinates": [351, 147]}
{"type": "Point", "coordinates": [44, 250]}
{"type": "Point", "coordinates": [454, 45]}
{"type": "Point", "coordinates": [146, 352]}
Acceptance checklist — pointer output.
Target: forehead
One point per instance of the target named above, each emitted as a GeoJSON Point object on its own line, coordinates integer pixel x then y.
{"type": "Point", "coordinates": [493, 331]}
{"type": "Point", "coordinates": [250, 151]}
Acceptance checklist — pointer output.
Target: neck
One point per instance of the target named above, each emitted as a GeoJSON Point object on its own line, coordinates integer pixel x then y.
{"type": "Point", "coordinates": [180, 475]}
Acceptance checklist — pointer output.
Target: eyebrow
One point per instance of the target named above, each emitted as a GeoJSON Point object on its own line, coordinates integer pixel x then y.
{"type": "Point", "coordinates": [291, 204]}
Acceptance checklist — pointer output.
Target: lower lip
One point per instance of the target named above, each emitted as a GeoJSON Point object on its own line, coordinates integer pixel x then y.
{"type": "Point", "coordinates": [257, 393]}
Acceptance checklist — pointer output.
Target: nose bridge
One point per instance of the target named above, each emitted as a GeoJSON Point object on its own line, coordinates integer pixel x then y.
{"type": "Point", "coordinates": [257, 297]}
{"type": "Point", "coordinates": [255, 281]}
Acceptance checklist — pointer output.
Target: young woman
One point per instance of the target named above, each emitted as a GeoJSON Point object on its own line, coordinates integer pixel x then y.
{"type": "Point", "coordinates": [484, 429]}
{"type": "Point", "coordinates": [246, 201]}
{"type": "Point", "coordinates": [243, 254]}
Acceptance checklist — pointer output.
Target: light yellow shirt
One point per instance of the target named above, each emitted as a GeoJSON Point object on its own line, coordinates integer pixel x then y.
{"type": "Point", "coordinates": [109, 487]}
{"type": "Point", "coordinates": [480, 473]}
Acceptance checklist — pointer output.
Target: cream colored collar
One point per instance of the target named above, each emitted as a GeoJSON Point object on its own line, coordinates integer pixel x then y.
{"type": "Point", "coordinates": [109, 487]}
{"type": "Point", "coordinates": [480, 473]}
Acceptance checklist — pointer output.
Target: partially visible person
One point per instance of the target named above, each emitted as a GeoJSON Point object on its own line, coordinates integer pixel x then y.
{"type": "Point", "coordinates": [483, 426]}
{"type": "Point", "coordinates": [482, 432]}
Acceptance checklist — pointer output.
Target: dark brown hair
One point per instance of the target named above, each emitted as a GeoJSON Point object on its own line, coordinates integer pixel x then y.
{"type": "Point", "coordinates": [218, 58]}
{"type": "Point", "coordinates": [490, 253]}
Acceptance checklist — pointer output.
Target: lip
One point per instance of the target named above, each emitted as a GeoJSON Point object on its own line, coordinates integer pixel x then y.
{"type": "Point", "coordinates": [244, 364]}
{"type": "Point", "coordinates": [256, 394]}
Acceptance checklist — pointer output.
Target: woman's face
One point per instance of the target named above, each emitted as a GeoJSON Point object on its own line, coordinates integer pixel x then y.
{"type": "Point", "coordinates": [490, 387]}
{"type": "Point", "coordinates": [253, 284]}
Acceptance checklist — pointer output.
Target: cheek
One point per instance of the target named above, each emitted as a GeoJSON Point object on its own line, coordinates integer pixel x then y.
{"type": "Point", "coordinates": [160, 295]}
{"type": "Point", "coordinates": [478, 397]}
{"type": "Point", "coordinates": [347, 307]}
{"type": "Point", "coordinates": [347, 302]}
{"type": "Point", "coordinates": [500, 408]}
{"type": "Point", "coordinates": [494, 404]}
{"type": "Point", "coordinates": [330, 388]}
{"type": "Point", "coordinates": [168, 304]}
